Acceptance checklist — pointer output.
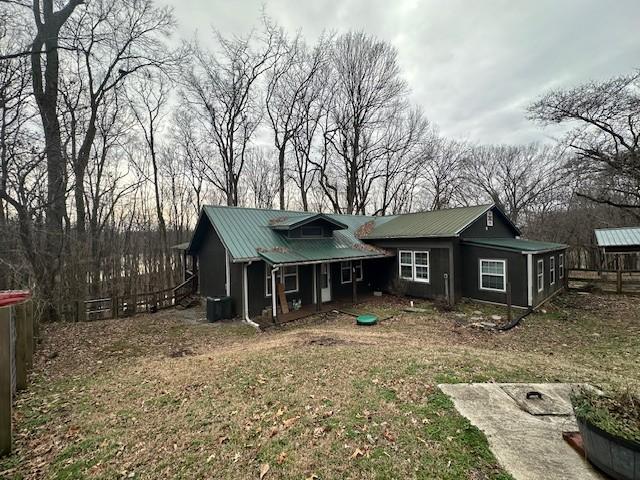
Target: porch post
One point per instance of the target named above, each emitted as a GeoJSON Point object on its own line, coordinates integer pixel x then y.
{"type": "Point", "coordinates": [274, 301]}
{"type": "Point", "coordinates": [319, 287]}
{"type": "Point", "coordinates": [354, 283]}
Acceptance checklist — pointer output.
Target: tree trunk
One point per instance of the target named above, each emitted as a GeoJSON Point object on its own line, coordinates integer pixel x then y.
{"type": "Point", "coordinates": [281, 152]}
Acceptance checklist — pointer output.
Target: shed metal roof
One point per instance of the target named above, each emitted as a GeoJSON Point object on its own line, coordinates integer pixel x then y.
{"type": "Point", "coordinates": [618, 237]}
{"type": "Point", "coordinates": [247, 235]}
{"type": "Point", "coordinates": [438, 223]}
{"type": "Point", "coordinates": [516, 244]}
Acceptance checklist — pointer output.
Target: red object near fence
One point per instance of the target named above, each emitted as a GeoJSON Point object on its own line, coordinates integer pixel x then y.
{"type": "Point", "coordinates": [11, 297]}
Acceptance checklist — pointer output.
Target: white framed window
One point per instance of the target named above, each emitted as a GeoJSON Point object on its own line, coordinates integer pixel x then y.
{"type": "Point", "coordinates": [345, 272]}
{"type": "Point", "coordinates": [540, 273]}
{"type": "Point", "coordinates": [493, 275]}
{"type": "Point", "coordinates": [421, 267]}
{"type": "Point", "coordinates": [552, 270]}
{"type": "Point", "coordinates": [346, 268]}
{"type": "Point", "coordinates": [489, 218]}
{"type": "Point", "coordinates": [286, 275]}
{"type": "Point", "coordinates": [405, 260]}
{"type": "Point", "coordinates": [414, 265]}
{"type": "Point", "coordinates": [561, 265]}
{"type": "Point", "coordinates": [358, 268]}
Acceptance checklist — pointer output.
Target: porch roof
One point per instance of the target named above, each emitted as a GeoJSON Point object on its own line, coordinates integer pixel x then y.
{"type": "Point", "coordinates": [298, 252]}
{"type": "Point", "coordinates": [516, 244]}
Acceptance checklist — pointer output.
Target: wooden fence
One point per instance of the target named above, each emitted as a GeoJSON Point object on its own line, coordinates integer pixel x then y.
{"type": "Point", "coordinates": [118, 306]}
{"type": "Point", "coordinates": [618, 281]}
{"type": "Point", "coordinates": [18, 339]}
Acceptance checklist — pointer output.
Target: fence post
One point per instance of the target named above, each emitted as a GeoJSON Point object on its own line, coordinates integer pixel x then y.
{"type": "Point", "coordinates": [114, 306]}
{"type": "Point", "coordinates": [5, 381]}
{"type": "Point", "coordinates": [24, 346]}
{"type": "Point", "coordinates": [619, 275]}
{"type": "Point", "coordinates": [35, 324]}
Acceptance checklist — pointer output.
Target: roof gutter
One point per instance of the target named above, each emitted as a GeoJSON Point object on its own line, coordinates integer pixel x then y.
{"type": "Point", "coordinates": [326, 260]}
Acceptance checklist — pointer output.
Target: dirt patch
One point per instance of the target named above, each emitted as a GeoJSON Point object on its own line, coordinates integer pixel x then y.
{"type": "Point", "coordinates": [180, 352]}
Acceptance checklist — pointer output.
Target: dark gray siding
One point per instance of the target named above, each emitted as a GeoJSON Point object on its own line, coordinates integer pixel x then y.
{"type": "Point", "coordinates": [341, 291]}
{"type": "Point", "coordinates": [256, 279]}
{"type": "Point", "coordinates": [516, 274]}
{"type": "Point", "coordinates": [211, 261]}
{"type": "Point", "coordinates": [548, 289]}
{"type": "Point", "coordinates": [439, 264]}
{"type": "Point", "coordinates": [235, 277]}
{"type": "Point", "coordinates": [479, 229]}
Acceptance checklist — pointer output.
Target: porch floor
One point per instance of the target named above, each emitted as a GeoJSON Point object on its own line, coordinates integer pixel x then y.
{"type": "Point", "coordinates": [344, 305]}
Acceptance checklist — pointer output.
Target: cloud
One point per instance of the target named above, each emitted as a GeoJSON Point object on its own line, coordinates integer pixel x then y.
{"type": "Point", "coordinates": [473, 66]}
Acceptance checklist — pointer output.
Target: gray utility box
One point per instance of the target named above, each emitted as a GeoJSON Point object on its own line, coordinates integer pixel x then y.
{"type": "Point", "coordinates": [219, 308]}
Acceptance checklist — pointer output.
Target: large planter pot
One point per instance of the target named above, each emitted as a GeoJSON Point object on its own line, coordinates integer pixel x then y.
{"type": "Point", "coordinates": [617, 457]}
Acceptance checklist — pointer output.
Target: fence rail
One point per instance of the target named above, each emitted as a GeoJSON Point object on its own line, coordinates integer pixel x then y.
{"type": "Point", "coordinates": [18, 339]}
{"type": "Point", "coordinates": [618, 281]}
{"type": "Point", "coordinates": [118, 306]}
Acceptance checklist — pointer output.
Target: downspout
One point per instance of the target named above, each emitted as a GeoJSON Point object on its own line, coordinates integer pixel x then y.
{"type": "Point", "coordinates": [227, 268]}
{"type": "Point", "coordinates": [245, 297]}
{"type": "Point", "coordinates": [530, 280]}
{"type": "Point", "coordinates": [274, 300]}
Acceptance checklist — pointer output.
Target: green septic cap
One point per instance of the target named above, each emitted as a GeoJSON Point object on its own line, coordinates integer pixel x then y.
{"type": "Point", "coordinates": [367, 320]}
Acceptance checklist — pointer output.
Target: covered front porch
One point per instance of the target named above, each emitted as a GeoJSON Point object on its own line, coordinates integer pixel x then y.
{"type": "Point", "coordinates": [305, 288]}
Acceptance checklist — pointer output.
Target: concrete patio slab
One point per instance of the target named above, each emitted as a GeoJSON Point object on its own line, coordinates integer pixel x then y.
{"type": "Point", "coordinates": [529, 446]}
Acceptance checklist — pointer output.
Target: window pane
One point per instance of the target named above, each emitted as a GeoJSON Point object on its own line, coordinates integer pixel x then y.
{"type": "Point", "coordinates": [290, 270]}
{"type": "Point", "coordinates": [405, 271]}
{"type": "Point", "coordinates": [422, 272]}
{"type": "Point", "coordinates": [345, 272]}
{"type": "Point", "coordinates": [405, 257]}
{"type": "Point", "coordinates": [495, 268]}
{"type": "Point", "coordinates": [493, 281]}
{"type": "Point", "coordinates": [358, 267]}
{"type": "Point", "coordinates": [422, 258]}
{"type": "Point", "coordinates": [289, 283]}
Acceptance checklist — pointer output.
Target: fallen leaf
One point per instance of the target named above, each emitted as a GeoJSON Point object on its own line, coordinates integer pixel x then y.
{"type": "Point", "coordinates": [356, 453]}
{"type": "Point", "coordinates": [264, 469]}
{"type": "Point", "coordinates": [287, 423]}
{"type": "Point", "coordinates": [389, 436]}
{"type": "Point", "coordinates": [282, 457]}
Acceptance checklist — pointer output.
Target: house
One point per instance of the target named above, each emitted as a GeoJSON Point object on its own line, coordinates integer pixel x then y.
{"type": "Point", "coordinates": [472, 252]}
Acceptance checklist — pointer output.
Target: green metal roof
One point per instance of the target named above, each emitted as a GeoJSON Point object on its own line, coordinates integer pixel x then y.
{"type": "Point", "coordinates": [288, 222]}
{"type": "Point", "coordinates": [437, 223]}
{"type": "Point", "coordinates": [247, 235]}
{"type": "Point", "coordinates": [516, 244]}
{"type": "Point", "coordinates": [618, 237]}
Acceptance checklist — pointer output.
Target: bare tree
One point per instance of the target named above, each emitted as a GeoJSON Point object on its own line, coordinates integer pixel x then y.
{"type": "Point", "coordinates": [442, 184]}
{"type": "Point", "coordinates": [517, 178]}
{"type": "Point", "coordinates": [149, 99]}
{"type": "Point", "coordinates": [405, 145]}
{"type": "Point", "coordinates": [367, 88]}
{"type": "Point", "coordinates": [606, 140]}
{"type": "Point", "coordinates": [45, 80]}
{"type": "Point", "coordinates": [263, 183]}
{"type": "Point", "coordinates": [290, 81]}
{"type": "Point", "coordinates": [221, 89]}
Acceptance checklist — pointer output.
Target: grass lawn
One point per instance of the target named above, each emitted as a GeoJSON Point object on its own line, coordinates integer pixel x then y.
{"type": "Point", "coordinates": [155, 397]}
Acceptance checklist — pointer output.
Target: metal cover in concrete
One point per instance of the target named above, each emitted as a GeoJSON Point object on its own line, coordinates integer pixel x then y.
{"type": "Point", "coordinates": [553, 400]}
{"type": "Point", "coordinates": [529, 447]}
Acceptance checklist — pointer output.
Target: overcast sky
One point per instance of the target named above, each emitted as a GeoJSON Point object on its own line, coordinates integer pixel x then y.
{"type": "Point", "coordinates": [472, 65]}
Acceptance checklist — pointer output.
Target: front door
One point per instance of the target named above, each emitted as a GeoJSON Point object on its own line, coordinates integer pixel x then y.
{"type": "Point", "coordinates": [325, 282]}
